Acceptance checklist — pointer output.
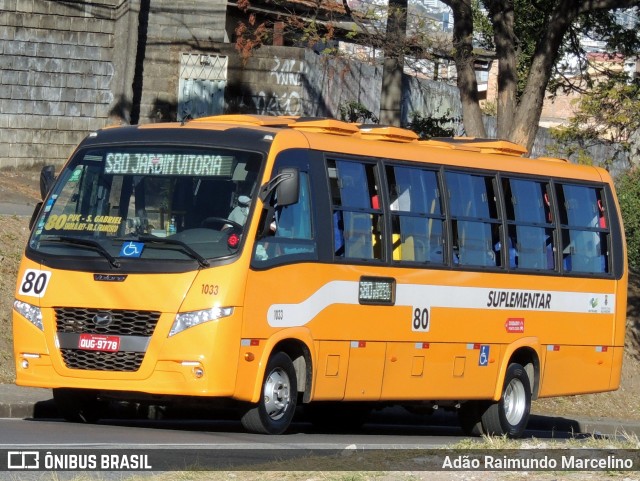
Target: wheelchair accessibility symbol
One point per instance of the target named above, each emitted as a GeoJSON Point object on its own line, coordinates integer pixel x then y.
{"type": "Point", "coordinates": [131, 249]}
{"type": "Point", "coordinates": [483, 360]}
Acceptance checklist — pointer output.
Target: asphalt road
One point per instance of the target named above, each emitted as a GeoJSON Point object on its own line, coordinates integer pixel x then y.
{"type": "Point", "coordinates": [387, 428]}
{"type": "Point", "coordinates": [392, 440]}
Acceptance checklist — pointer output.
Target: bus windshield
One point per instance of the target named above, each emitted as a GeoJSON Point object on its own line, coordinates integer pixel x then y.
{"type": "Point", "coordinates": [169, 203]}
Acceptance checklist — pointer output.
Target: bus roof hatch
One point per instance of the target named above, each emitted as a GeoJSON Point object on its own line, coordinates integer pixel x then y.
{"type": "Point", "coordinates": [389, 134]}
{"type": "Point", "coordinates": [326, 126]}
{"type": "Point", "coordinates": [485, 146]}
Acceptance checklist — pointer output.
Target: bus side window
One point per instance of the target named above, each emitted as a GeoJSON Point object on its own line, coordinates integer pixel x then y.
{"type": "Point", "coordinates": [474, 217]}
{"type": "Point", "coordinates": [584, 232]}
{"type": "Point", "coordinates": [529, 229]}
{"type": "Point", "coordinates": [291, 230]}
{"type": "Point", "coordinates": [417, 218]}
{"type": "Point", "coordinates": [356, 211]}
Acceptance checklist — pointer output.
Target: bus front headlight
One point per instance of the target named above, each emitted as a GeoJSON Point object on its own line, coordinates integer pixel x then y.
{"type": "Point", "coordinates": [185, 320]}
{"type": "Point", "coordinates": [32, 313]}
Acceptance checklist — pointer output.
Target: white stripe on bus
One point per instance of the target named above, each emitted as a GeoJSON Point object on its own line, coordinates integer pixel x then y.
{"type": "Point", "coordinates": [451, 297]}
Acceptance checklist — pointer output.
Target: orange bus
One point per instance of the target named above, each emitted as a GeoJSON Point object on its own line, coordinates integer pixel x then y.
{"type": "Point", "coordinates": [286, 262]}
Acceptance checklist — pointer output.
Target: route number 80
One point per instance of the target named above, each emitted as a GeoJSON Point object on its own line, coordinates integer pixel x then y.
{"type": "Point", "coordinates": [34, 282]}
{"type": "Point", "coordinates": [420, 321]}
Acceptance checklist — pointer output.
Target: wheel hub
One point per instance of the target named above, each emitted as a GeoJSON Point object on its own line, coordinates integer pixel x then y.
{"type": "Point", "coordinates": [515, 402]}
{"type": "Point", "coordinates": [277, 396]}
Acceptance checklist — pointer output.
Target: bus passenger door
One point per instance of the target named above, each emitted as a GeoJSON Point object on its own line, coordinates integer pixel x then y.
{"type": "Point", "coordinates": [283, 273]}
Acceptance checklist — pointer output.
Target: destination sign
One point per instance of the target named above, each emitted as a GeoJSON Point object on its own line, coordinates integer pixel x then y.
{"type": "Point", "coordinates": [151, 163]}
{"type": "Point", "coordinates": [377, 290]}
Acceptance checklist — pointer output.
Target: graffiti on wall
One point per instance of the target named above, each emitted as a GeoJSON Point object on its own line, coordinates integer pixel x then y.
{"type": "Point", "coordinates": [275, 104]}
{"type": "Point", "coordinates": [284, 97]}
{"type": "Point", "coordinates": [288, 72]}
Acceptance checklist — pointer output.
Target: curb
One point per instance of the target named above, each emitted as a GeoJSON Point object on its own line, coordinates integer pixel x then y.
{"type": "Point", "coordinates": [25, 410]}
{"type": "Point", "coordinates": [21, 402]}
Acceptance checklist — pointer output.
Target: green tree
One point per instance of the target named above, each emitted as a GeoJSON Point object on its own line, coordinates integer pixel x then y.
{"type": "Point", "coordinates": [607, 114]}
{"type": "Point", "coordinates": [354, 111]}
{"type": "Point", "coordinates": [628, 189]}
{"type": "Point", "coordinates": [428, 127]}
{"type": "Point", "coordinates": [543, 29]}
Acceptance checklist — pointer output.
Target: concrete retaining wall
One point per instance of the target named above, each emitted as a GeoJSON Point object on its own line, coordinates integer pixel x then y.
{"type": "Point", "coordinates": [56, 76]}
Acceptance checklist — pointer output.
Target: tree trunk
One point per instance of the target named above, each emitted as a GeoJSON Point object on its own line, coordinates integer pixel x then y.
{"type": "Point", "coordinates": [525, 125]}
{"type": "Point", "coordinates": [464, 59]}
{"type": "Point", "coordinates": [503, 20]}
{"type": "Point", "coordinates": [391, 98]}
{"type": "Point", "coordinates": [391, 95]}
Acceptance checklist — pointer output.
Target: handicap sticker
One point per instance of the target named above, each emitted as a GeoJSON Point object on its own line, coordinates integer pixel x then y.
{"type": "Point", "coordinates": [483, 360]}
{"type": "Point", "coordinates": [131, 249]}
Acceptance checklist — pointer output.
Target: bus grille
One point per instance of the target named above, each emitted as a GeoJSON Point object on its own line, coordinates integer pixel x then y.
{"type": "Point", "coordinates": [102, 361]}
{"type": "Point", "coordinates": [124, 322]}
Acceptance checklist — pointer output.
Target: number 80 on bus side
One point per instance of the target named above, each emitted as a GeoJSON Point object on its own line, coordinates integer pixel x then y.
{"type": "Point", "coordinates": [420, 319]}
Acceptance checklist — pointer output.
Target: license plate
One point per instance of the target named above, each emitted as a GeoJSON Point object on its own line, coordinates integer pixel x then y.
{"type": "Point", "coordinates": [93, 342]}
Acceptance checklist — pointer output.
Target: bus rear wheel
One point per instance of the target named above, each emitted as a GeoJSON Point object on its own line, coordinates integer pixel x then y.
{"type": "Point", "coordinates": [275, 410]}
{"type": "Point", "coordinates": [510, 415]}
{"type": "Point", "coordinates": [79, 405]}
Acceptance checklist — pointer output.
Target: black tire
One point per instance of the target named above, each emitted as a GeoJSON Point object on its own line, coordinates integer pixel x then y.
{"type": "Point", "coordinates": [510, 415]}
{"type": "Point", "coordinates": [278, 397]}
{"type": "Point", "coordinates": [470, 417]}
{"type": "Point", "coordinates": [79, 405]}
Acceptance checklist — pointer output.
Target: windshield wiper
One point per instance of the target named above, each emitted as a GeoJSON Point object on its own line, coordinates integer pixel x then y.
{"type": "Point", "coordinates": [184, 247]}
{"type": "Point", "coordinates": [87, 243]}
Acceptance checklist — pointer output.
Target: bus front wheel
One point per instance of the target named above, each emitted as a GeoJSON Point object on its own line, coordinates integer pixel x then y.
{"type": "Point", "coordinates": [510, 415]}
{"type": "Point", "coordinates": [78, 405]}
{"type": "Point", "coordinates": [274, 412]}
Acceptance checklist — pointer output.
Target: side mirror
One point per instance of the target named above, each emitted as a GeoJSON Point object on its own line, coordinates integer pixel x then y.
{"type": "Point", "coordinates": [288, 189]}
{"type": "Point", "coordinates": [286, 186]}
{"type": "Point", "coordinates": [47, 178]}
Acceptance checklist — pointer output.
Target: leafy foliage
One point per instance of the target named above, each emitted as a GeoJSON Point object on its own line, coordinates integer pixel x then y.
{"type": "Point", "coordinates": [354, 111]}
{"type": "Point", "coordinates": [425, 127]}
{"type": "Point", "coordinates": [628, 187]}
{"type": "Point", "coordinates": [607, 114]}
{"type": "Point", "coordinates": [595, 26]}
{"type": "Point", "coordinates": [250, 36]}
{"type": "Point", "coordinates": [530, 22]}
{"type": "Point", "coordinates": [428, 127]}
